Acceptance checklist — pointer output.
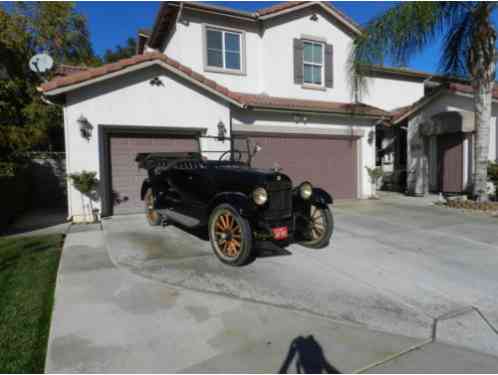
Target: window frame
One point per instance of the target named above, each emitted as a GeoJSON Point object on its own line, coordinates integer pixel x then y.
{"type": "Point", "coordinates": [321, 65]}
{"type": "Point", "coordinates": [224, 31]}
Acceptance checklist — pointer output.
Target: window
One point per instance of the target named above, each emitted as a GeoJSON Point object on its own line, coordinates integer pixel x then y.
{"type": "Point", "coordinates": [223, 49]}
{"type": "Point", "coordinates": [313, 63]}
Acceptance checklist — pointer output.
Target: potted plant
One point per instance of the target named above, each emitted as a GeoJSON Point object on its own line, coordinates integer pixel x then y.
{"type": "Point", "coordinates": [375, 175]}
{"type": "Point", "coordinates": [86, 183]}
{"type": "Point", "coordinates": [493, 177]}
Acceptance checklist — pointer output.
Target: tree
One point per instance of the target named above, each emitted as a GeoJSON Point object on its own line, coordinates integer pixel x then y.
{"type": "Point", "coordinates": [469, 51]}
{"type": "Point", "coordinates": [121, 52]}
{"type": "Point", "coordinates": [27, 29]}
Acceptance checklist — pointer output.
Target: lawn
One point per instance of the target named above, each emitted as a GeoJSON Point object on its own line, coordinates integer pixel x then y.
{"type": "Point", "coordinates": [28, 270]}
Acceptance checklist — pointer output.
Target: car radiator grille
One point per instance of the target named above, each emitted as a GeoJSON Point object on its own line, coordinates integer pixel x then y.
{"type": "Point", "coordinates": [279, 202]}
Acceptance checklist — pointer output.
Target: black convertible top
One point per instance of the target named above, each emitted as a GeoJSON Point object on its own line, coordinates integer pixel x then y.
{"type": "Point", "coordinates": [149, 160]}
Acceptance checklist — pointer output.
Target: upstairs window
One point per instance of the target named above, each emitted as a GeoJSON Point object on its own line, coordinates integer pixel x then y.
{"type": "Point", "coordinates": [313, 71]}
{"type": "Point", "coordinates": [313, 60]}
{"type": "Point", "coordinates": [223, 50]}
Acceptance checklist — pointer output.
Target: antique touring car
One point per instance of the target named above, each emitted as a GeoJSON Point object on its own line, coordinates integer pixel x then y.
{"type": "Point", "coordinates": [239, 204]}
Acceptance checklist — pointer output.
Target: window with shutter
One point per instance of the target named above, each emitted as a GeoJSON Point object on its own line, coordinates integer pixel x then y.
{"type": "Point", "coordinates": [313, 63]}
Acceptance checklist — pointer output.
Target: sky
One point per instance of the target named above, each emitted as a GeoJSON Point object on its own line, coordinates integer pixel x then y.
{"type": "Point", "coordinates": [111, 23]}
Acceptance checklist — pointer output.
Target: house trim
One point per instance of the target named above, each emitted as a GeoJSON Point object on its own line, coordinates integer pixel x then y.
{"type": "Point", "coordinates": [297, 130]}
{"type": "Point", "coordinates": [136, 67]}
{"type": "Point", "coordinates": [106, 131]}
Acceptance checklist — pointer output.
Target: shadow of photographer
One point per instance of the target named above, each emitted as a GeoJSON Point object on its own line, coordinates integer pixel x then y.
{"type": "Point", "coordinates": [308, 356]}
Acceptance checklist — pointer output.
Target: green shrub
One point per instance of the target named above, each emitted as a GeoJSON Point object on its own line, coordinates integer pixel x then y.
{"type": "Point", "coordinates": [85, 182]}
{"type": "Point", "coordinates": [375, 174]}
{"type": "Point", "coordinates": [493, 175]}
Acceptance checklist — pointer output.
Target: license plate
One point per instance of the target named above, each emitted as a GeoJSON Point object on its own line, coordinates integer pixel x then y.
{"type": "Point", "coordinates": [280, 233]}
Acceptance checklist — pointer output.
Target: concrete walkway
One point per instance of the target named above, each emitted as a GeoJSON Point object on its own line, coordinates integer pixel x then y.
{"type": "Point", "coordinates": [109, 319]}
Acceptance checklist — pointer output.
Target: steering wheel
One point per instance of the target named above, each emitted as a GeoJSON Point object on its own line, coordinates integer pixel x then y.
{"type": "Point", "coordinates": [234, 155]}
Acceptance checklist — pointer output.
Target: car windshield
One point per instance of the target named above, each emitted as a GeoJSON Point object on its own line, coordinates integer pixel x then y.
{"type": "Point", "coordinates": [237, 149]}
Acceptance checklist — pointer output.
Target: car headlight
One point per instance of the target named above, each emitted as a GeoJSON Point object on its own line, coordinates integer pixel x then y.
{"type": "Point", "coordinates": [305, 190]}
{"type": "Point", "coordinates": [260, 196]}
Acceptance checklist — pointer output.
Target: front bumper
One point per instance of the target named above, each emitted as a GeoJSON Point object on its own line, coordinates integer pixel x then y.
{"type": "Point", "coordinates": [296, 225]}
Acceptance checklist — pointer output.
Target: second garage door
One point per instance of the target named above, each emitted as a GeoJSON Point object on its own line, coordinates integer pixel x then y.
{"type": "Point", "coordinates": [126, 178]}
{"type": "Point", "coordinates": [327, 162]}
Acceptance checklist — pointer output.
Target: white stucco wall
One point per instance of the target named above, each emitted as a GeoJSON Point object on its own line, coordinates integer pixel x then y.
{"type": "Point", "coordinates": [258, 121]}
{"type": "Point", "coordinates": [269, 58]}
{"type": "Point", "coordinates": [278, 67]}
{"type": "Point", "coordinates": [421, 161]}
{"type": "Point", "coordinates": [132, 101]}
{"type": "Point", "coordinates": [186, 46]}
{"type": "Point", "coordinates": [389, 93]}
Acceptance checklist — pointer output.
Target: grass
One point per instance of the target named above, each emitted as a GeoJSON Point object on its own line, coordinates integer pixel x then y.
{"type": "Point", "coordinates": [28, 270]}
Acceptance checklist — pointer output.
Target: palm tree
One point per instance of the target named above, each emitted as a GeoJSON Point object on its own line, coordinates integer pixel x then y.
{"type": "Point", "coordinates": [469, 51]}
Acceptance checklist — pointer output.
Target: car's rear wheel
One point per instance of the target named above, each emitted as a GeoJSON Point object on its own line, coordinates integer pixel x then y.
{"type": "Point", "coordinates": [153, 217]}
{"type": "Point", "coordinates": [230, 235]}
{"type": "Point", "coordinates": [321, 227]}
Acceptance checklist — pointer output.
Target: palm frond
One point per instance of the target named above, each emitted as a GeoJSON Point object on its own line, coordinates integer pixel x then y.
{"type": "Point", "coordinates": [399, 33]}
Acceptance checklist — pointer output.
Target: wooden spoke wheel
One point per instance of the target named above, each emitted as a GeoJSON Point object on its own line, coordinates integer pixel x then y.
{"type": "Point", "coordinates": [230, 235]}
{"type": "Point", "coordinates": [318, 224]}
{"type": "Point", "coordinates": [152, 216]}
{"type": "Point", "coordinates": [321, 227]}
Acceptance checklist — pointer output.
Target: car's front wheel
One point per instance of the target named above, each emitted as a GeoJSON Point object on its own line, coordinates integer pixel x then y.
{"type": "Point", "coordinates": [321, 227]}
{"type": "Point", "coordinates": [230, 235]}
{"type": "Point", "coordinates": [153, 217]}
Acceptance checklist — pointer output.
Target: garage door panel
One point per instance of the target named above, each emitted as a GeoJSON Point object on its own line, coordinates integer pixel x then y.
{"type": "Point", "coordinates": [126, 178]}
{"type": "Point", "coordinates": [327, 162]}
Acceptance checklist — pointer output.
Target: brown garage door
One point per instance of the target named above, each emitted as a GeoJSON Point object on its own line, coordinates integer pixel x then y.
{"type": "Point", "coordinates": [327, 162]}
{"type": "Point", "coordinates": [126, 178]}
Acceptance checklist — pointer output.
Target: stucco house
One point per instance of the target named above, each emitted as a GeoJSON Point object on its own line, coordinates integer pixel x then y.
{"type": "Point", "coordinates": [277, 75]}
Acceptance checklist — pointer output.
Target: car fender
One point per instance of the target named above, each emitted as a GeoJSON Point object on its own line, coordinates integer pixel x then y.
{"type": "Point", "coordinates": [321, 198]}
{"type": "Point", "coordinates": [239, 201]}
{"type": "Point", "coordinates": [145, 186]}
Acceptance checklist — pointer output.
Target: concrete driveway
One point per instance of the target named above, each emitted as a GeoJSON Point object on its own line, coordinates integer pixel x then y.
{"type": "Point", "coordinates": [398, 275]}
{"type": "Point", "coordinates": [394, 265]}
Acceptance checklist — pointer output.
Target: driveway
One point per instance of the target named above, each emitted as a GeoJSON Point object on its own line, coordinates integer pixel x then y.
{"type": "Point", "coordinates": [394, 265]}
{"type": "Point", "coordinates": [403, 287]}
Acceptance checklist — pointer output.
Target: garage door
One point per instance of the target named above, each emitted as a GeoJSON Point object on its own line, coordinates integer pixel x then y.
{"type": "Point", "coordinates": [327, 162]}
{"type": "Point", "coordinates": [126, 178]}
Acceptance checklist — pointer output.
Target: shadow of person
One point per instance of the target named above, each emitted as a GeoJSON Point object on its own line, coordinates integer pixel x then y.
{"type": "Point", "coordinates": [309, 358]}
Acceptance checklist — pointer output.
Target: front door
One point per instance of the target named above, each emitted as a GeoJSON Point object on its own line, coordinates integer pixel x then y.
{"type": "Point", "coordinates": [450, 162]}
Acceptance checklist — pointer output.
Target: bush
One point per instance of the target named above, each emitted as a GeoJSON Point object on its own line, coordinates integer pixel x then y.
{"type": "Point", "coordinates": [14, 194]}
{"type": "Point", "coordinates": [493, 175]}
{"type": "Point", "coordinates": [375, 174]}
{"type": "Point", "coordinates": [85, 182]}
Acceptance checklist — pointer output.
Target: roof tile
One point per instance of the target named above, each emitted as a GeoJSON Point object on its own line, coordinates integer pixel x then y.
{"type": "Point", "coordinates": [245, 99]}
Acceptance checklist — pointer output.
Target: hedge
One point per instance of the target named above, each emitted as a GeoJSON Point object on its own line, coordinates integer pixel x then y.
{"type": "Point", "coordinates": [14, 195]}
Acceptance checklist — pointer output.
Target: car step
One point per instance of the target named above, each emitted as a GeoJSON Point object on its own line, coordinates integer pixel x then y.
{"type": "Point", "coordinates": [169, 215]}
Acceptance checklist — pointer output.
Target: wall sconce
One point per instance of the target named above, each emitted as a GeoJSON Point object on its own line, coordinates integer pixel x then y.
{"type": "Point", "coordinates": [222, 130]}
{"type": "Point", "coordinates": [300, 118]}
{"type": "Point", "coordinates": [85, 127]}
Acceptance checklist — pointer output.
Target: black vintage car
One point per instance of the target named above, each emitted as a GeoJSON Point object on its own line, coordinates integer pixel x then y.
{"type": "Point", "coordinates": [238, 204]}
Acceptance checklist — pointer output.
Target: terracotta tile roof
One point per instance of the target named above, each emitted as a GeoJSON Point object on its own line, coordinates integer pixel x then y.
{"type": "Point", "coordinates": [265, 101]}
{"type": "Point", "coordinates": [279, 7]}
{"type": "Point", "coordinates": [243, 99]}
{"type": "Point", "coordinates": [468, 89]}
{"type": "Point", "coordinates": [65, 70]}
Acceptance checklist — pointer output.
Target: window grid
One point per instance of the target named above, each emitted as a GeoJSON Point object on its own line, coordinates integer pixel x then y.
{"type": "Point", "coordinates": [314, 64]}
{"type": "Point", "coordinates": [224, 50]}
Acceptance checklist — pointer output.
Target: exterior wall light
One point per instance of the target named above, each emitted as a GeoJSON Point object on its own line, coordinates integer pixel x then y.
{"type": "Point", "coordinates": [86, 128]}
{"type": "Point", "coordinates": [222, 131]}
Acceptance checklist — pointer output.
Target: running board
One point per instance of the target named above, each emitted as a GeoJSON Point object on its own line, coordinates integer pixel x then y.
{"type": "Point", "coordinates": [177, 217]}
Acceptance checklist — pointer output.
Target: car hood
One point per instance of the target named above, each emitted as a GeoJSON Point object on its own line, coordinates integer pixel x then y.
{"type": "Point", "coordinates": [247, 178]}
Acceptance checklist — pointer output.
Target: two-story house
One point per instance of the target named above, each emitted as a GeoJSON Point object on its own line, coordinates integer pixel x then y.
{"type": "Point", "coordinates": [278, 76]}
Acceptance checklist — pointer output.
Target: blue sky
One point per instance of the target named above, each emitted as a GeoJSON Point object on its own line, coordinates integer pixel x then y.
{"type": "Point", "coordinates": [111, 23]}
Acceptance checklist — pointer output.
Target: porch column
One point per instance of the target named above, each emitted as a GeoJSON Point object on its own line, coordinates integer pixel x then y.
{"type": "Point", "coordinates": [417, 162]}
